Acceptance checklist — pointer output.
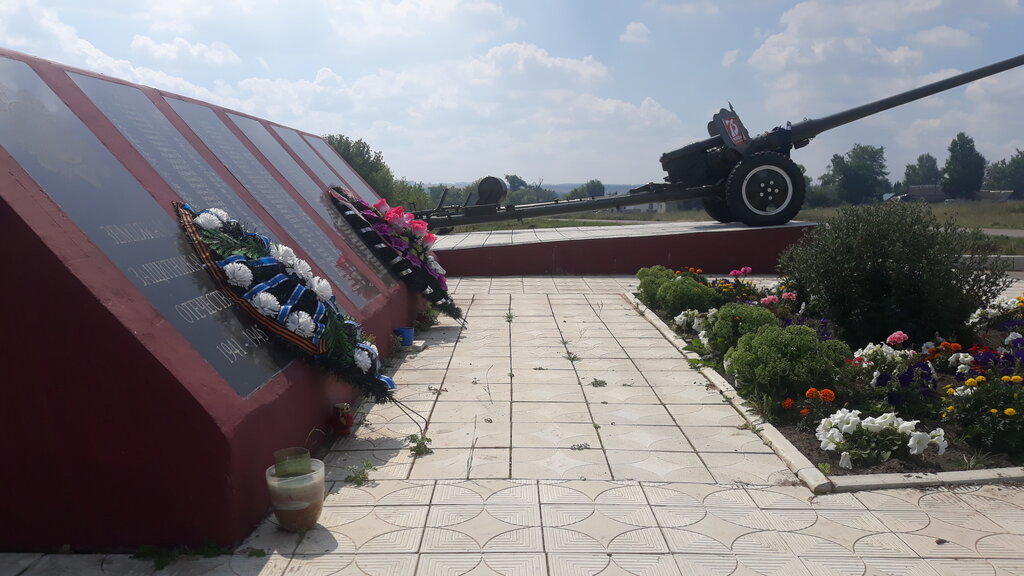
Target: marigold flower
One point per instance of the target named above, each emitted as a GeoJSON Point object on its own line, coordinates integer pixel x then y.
{"type": "Point", "coordinates": [699, 271]}
{"type": "Point", "coordinates": [994, 411]}
{"type": "Point", "coordinates": [805, 411]}
{"type": "Point", "coordinates": [956, 347]}
{"type": "Point", "coordinates": [950, 408]}
{"type": "Point", "coordinates": [950, 391]}
{"type": "Point", "coordinates": [971, 382]}
{"type": "Point", "coordinates": [1005, 378]}
{"type": "Point", "coordinates": [679, 272]}
{"type": "Point", "coordinates": [811, 393]}
{"type": "Point", "coordinates": [1010, 412]}
{"type": "Point", "coordinates": [787, 403]}
{"type": "Point", "coordinates": [980, 379]}
{"type": "Point", "coordinates": [827, 395]}
{"type": "Point", "coordinates": [1017, 379]}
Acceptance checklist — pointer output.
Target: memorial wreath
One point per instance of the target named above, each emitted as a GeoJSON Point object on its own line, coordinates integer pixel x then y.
{"type": "Point", "coordinates": [278, 290]}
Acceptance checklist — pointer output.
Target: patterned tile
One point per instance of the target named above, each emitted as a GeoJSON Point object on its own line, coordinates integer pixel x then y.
{"type": "Point", "coordinates": [443, 463]}
{"type": "Point", "coordinates": [774, 564]}
{"type": "Point", "coordinates": [591, 491]}
{"type": "Point", "coordinates": [381, 492]}
{"type": "Point", "coordinates": [694, 494]}
{"type": "Point", "coordinates": [475, 392]}
{"type": "Point", "coordinates": [844, 565]}
{"type": "Point", "coordinates": [383, 414]}
{"type": "Point", "coordinates": [588, 528]}
{"type": "Point", "coordinates": [613, 564]}
{"type": "Point", "coordinates": [748, 468]}
{"type": "Point", "coordinates": [555, 464]}
{"type": "Point", "coordinates": [483, 564]}
{"type": "Point", "coordinates": [270, 538]}
{"type": "Point", "coordinates": [491, 463]}
{"type": "Point", "coordinates": [896, 567]}
{"type": "Point", "coordinates": [477, 434]}
{"type": "Point", "coordinates": [499, 492]}
{"type": "Point", "coordinates": [705, 565]}
{"type": "Point", "coordinates": [379, 529]}
{"type": "Point", "coordinates": [470, 412]}
{"type": "Point", "coordinates": [657, 466]}
{"type": "Point", "coordinates": [639, 393]}
{"type": "Point", "coordinates": [614, 380]}
{"type": "Point", "coordinates": [541, 363]}
{"type": "Point", "coordinates": [490, 375]}
{"type": "Point", "coordinates": [347, 565]}
{"type": "Point", "coordinates": [475, 528]}
{"type": "Point", "coordinates": [522, 392]}
{"type": "Point", "coordinates": [390, 436]}
{"type": "Point", "coordinates": [387, 464]}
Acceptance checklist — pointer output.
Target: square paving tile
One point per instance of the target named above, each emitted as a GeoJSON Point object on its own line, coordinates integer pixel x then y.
{"type": "Point", "coordinates": [635, 394]}
{"type": "Point", "coordinates": [724, 439]}
{"type": "Point", "coordinates": [631, 414]}
{"type": "Point", "coordinates": [387, 464]}
{"type": "Point", "coordinates": [470, 412]}
{"type": "Point", "coordinates": [477, 434]}
{"type": "Point", "coordinates": [559, 463]}
{"type": "Point", "coordinates": [550, 412]}
{"type": "Point", "coordinates": [598, 528]}
{"type": "Point", "coordinates": [381, 493]}
{"type": "Point", "coordinates": [644, 438]}
{"type": "Point", "coordinates": [454, 463]}
{"type": "Point", "coordinates": [591, 492]}
{"type": "Point", "coordinates": [547, 393]}
{"type": "Point", "coordinates": [365, 529]}
{"type": "Point", "coordinates": [622, 378]}
{"type": "Point", "coordinates": [484, 564]}
{"type": "Point", "coordinates": [496, 492]}
{"type": "Point", "coordinates": [461, 391]}
{"type": "Point", "coordinates": [688, 394]}
{"type": "Point", "coordinates": [553, 435]}
{"type": "Point", "coordinates": [705, 415]}
{"type": "Point", "coordinates": [657, 466]}
{"type": "Point", "coordinates": [522, 363]}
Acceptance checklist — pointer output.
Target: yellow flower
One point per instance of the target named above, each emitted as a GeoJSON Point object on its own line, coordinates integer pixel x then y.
{"type": "Point", "coordinates": [1005, 378]}
{"type": "Point", "coordinates": [1010, 412]}
{"type": "Point", "coordinates": [980, 379]}
{"type": "Point", "coordinates": [971, 382]}
{"type": "Point", "coordinates": [950, 391]}
{"type": "Point", "coordinates": [950, 408]}
{"type": "Point", "coordinates": [1017, 379]}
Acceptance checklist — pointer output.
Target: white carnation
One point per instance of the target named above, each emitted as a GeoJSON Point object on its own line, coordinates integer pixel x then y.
{"type": "Point", "coordinates": [301, 269]}
{"type": "Point", "coordinates": [238, 274]}
{"type": "Point", "coordinates": [222, 215]}
{"type": "Point", "coordinates": [208, 221]}
{"type": "Point", "coordinates": [844, 461]}
{"type": "Point", "coordinates": [320, 287]}
{"type": "Point", "coordinates": [362, 359]}
{"type": "Point", "coordinates": [282, 254]}
{"type": "Point", "coordinates": [266, 304]}
{"type": "Point", "coordinates": [301, 323]}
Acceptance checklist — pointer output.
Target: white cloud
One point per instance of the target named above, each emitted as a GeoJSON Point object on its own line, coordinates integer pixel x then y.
{"type": "Point", "coordinates": [215, 54]}
{"type": "Point", "coordinates": [181, 16]}
{"type": "Point", "coordinates": [698, 7]}
{"type": "Point", "coordinates": [362, 21]}
{"type": "Point", "coordinates": [636, 33]}
{"type": "Point", "coordinates": [729, 58]}
{"type": "Point", "coordinates": [945, 36]}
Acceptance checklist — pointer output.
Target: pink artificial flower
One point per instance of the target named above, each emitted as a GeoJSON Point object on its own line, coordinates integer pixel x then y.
{"type": "Point", "coordinates": [408, 217]}
{"type": "Point", "coordinates": [382, 206]}
{"type": "Point", "coordinates": [428, 239]}
{"type": "Point", "coordinates": [746, 270]}
{"type": "Point", "coordinates": [768, 300]}
{"type": "Point", "coordinates": [789, 295]}
{"type": "Point", "coordinates": [418, 227]}
{"type": "Point", "coordinates": [897, 337]}
{"type": "Point", "coordinates": [396, 217]}
{"type": "Point", "coordinates": [735, 273]}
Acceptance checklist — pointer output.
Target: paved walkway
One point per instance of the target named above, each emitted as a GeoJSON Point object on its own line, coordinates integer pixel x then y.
{"type": "Point", "coordinates": [570, 438]}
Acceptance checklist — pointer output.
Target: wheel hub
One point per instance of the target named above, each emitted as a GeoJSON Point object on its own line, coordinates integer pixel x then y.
{"type": "Point", "coordinates": [767, 190]}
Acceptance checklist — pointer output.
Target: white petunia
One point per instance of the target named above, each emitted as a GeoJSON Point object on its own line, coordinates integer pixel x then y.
{"type": "Point", "coordinates": [844, 461]}
{"type": "Point", "coordinates": [238, 274]}
{"type": "Point", "coordinates": [1012, 336]}
{"type": "Point", "coordinates": [906, 427]}
{"type": "Point", "coordinates": [266, 304]}
{"type": "Point", "coordinates": [362, 359]}
{"type": "Point", "coordinates": [918, 442]}
{"type": "Point", "coordinates": [850, 425]}
{"type": "Point", "coordinates": [938, 437]}
{"type": "Point", "coordinates": [301, 323]}
{"type": "Point", "coordinates": [832, 437]}
{"type": "Point", "coordinates": [302, 269]}
{"type": "Point", "coordinates": [208, 221]}
{"type": "Point", "coordinates": [320, 287]}
{"type": "Point", "coordinates": [282, 254]}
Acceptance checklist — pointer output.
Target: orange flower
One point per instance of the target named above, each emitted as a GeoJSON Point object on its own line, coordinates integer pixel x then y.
{"type": "Point", "coordinates": [811, 393]}
{"type": "Point", "coordinates": [805, 411]}
{"type": "Point", "coordinates": [956, 347]}
{"type": "Point", "coordinates": [678, 272]}
{"type": "Point", "coordinates": [787, 403]}
{"type": "Point", "coordinates": [699, 271]}
{"type": "Point", "coordinates": [827, 395]}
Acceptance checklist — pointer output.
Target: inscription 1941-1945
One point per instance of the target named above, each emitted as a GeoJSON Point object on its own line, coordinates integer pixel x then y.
{"type": "Point", "coordinates": [83, 178]}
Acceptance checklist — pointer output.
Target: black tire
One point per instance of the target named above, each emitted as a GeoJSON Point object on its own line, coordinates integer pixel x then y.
{"type": "Point", "coordinates": [718, 209]}
{"type": "Point", "coordinates": [766, 189]}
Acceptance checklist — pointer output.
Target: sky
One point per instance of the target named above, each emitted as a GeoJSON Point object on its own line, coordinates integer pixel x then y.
{"type": "Point", "coordinates": [556, 91]}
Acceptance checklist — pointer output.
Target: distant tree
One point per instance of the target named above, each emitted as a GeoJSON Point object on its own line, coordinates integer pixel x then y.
{"type": "Point", "coordinates": [1007, 174]}
{"type": "Point", "coordinates": [371, 166]}
{"type": "Point", "coordinates": [530, 194]}
{"type": "Point", "coordinates": [925, 171]}
{"type": "Point", "coordinates": [591, 189]}
{"type": "Point", "coordinates": [820, 196]}
{"type": "Point", "coordinates": [965, 168]}
{"type": "Point", "coordinates": [515, 182]}
{"type": "Point", "coordinates": [859, 176]}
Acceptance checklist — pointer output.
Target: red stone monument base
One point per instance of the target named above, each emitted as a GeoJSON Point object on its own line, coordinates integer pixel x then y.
{"type": "Point", "coordinates": [715, 250]}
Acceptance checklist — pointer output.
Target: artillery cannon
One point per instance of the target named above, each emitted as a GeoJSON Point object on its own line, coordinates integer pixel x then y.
{"type": "Point", "coordinates": [752, 180]}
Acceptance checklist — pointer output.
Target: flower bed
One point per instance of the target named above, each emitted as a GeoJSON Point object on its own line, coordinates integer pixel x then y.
{"type": "Point", "coordinates": [885, 407]}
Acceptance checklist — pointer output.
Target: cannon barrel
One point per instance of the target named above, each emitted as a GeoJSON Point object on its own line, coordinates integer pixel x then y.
{"type": "Point", "coordinates": [810, 128]}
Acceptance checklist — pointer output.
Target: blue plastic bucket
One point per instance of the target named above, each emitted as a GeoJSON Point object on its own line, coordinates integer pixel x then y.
{"type": "Point", "coordinates": [405, 335]}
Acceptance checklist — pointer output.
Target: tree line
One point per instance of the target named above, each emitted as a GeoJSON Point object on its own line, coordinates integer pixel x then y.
{"type": "Point", "coordinates": [370, 164]}
{"type": "Point", "coordinates": [860, 176]}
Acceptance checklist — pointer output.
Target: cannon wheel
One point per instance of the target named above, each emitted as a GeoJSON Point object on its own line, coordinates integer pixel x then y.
{"type": "Point", "coordinates": [765, 189]}
{"type": "Point", "coordinates": [718, 209]}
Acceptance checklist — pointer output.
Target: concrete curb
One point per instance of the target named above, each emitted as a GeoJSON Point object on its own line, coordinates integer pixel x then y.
{"type": "Point", "coordinates": [799, 464]}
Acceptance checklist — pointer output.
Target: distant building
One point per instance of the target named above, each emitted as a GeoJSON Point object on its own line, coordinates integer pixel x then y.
{"type": "Point", "coordinates": [925, 193]}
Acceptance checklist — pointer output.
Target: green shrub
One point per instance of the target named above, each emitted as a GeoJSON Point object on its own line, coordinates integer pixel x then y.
{"type": "Point", "coordinates": [651, 280]}
{"type": "Point", "coordinates": [685, 293]}
{"type": "Point", "coordinates": [732, 321]}
{"type": "Point", "coordinates": [876, 269]}
{"type": "Point", "coordinates": [785, 362]}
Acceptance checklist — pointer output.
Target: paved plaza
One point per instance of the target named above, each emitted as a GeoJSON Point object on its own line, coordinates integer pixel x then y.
{"type": "Point", "coordinates": [571, 437]}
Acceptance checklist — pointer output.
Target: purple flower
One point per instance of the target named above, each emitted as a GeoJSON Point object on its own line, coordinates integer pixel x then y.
{"type": "Point", "coordinates": [416, 262]}
{"type": "Point", "coordinates": [894, 398]}
{"type": "Point", "coordinates": [399, 244]}
{"type": "Point", "coordinates": [382, 229]}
